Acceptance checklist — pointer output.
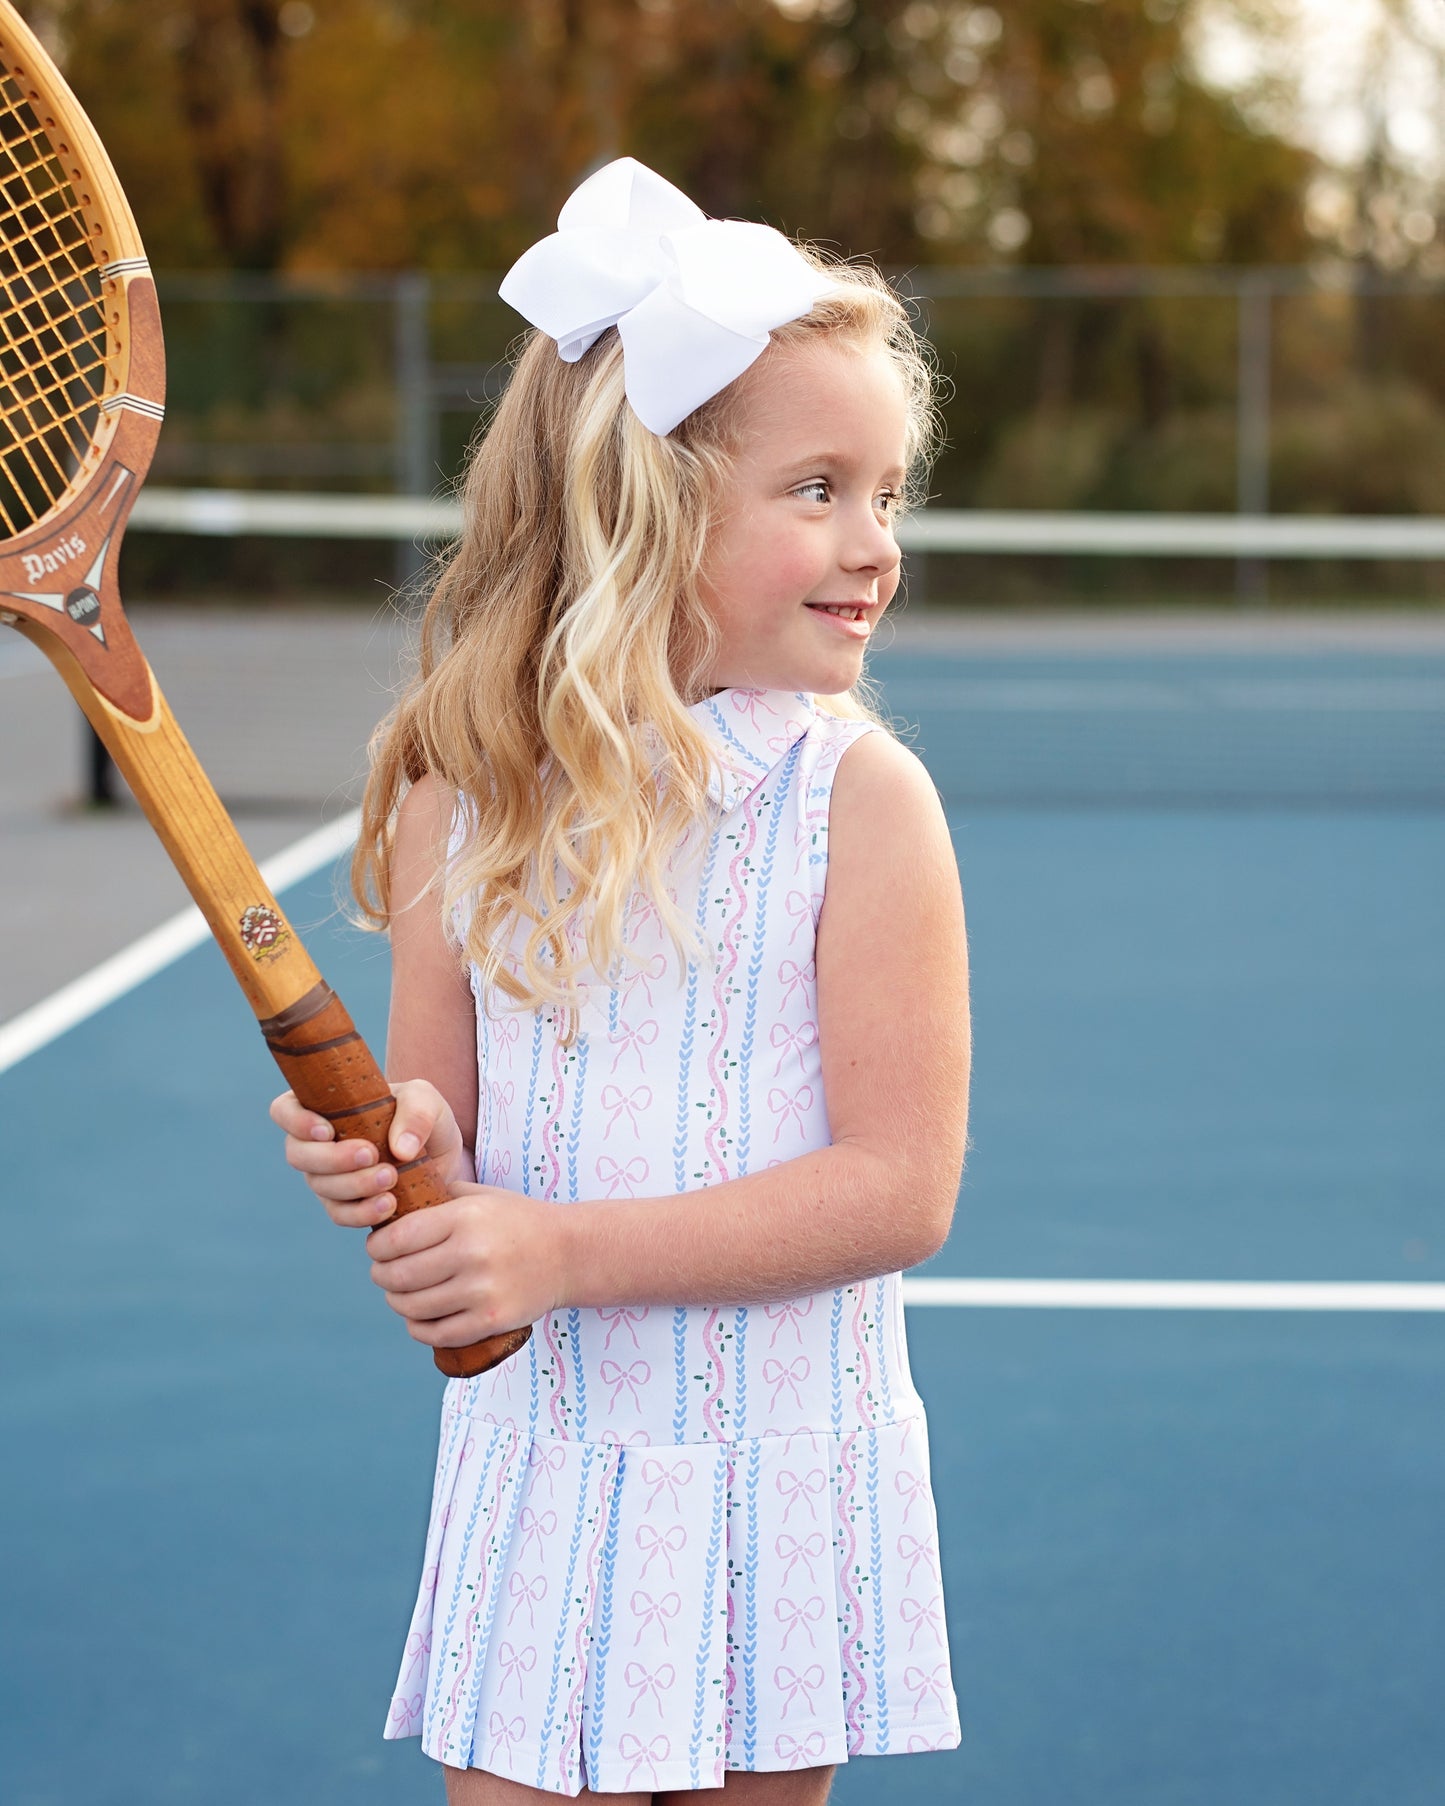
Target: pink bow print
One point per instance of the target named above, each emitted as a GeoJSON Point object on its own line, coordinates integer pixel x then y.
{"type": "Point", "coordinates": [625, 1378]}
{"type": "Point", "coordinates": [635, 1039]}
{"type": "Point", "coordinates": [643, 1755]}
{"type": "Point", "coordinates": [505, 1732]}
{"type": "Point", "coordinates": [503, 1097]}
{"type": "Point", "coordinates": [664, 1543]}
{"type": "Point", "coordinates": [508, 1028]}
{"type": "Point", "coordinates": [808, 1551]}
{"type": "Point", "coordinates": [654, 969]}
{"type": "Point", "coordinates": [551, 1458]}
{"type": "Point", "coordinates": [790, 1685]}
{"type": "Point", "coordinates": [534, 1528]}
{"type": "Point", "coordinates": [526, 1592]}
{"type": "Point", "coordinates": [789, 1312]}
{"type": "Point", "coordinates": [923, 1684]}
{"type": "Point", "coordinates": [404, 1713]}
{"type": "Point", "coordinates": [644, 1681]}
{"type": "Point", "coordinates": [791, 975]}
{"type": "Point", "coordinates": [794, 1753]}
{"type": "Point", "coordinates": [805, 1487]}
{"type": "Point", "coordinates": [789, 1612]}
{"type": "Point", "coordinates": [501, 1164]}
{"type": "Point", "coordinates": [792, 1040]}
{"type": "Point", "coordinates": [622, 1178]}
{"type": "Point", "coordinates": [622, 1316]}
{"type": "Point", "coordinates": [909, 1486]}
{"type": "Point", "coordinates": [792, 731]}
{"type": "Point", "coordinates": [777, 1376]}
{"type": "Point", "coordinates": [624, 1103]}
{"type": "Point", "coordinates": [662, 1478]}
{"type": "Point", "coordinates": [748, 702]}
{"type": "Point", "coordinates": [914, 1550]}
{"type": "Point", "coordinates": [515, 1663]}
{"type": "Point", "coordinates": [417, 1648]}
{"type": "Point", "coordinates": [784, 1106]}
{"type": "Point", "coordinates": [648, 1611]}
{"type": "Point", "coordinates": [919, 1613]}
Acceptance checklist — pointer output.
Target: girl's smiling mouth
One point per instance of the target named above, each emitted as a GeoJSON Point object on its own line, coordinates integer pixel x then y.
{"type": "Point", "coordinates": [851, 615]}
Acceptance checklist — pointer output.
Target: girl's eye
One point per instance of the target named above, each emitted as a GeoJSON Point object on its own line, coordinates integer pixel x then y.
{"type": "Point", "coordinates": [816, 490]}
{"type": "Point", "coordinates": [887, 501]}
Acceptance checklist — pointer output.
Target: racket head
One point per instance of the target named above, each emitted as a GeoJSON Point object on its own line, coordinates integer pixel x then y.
{"type": "Point", "coordinates": [82, 377]}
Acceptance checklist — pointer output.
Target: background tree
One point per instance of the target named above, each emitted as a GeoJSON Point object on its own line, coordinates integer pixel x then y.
{"type": "Point", "coordinates": [373, 134]}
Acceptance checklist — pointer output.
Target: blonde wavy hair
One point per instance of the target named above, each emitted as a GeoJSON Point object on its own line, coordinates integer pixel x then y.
{"type": "Point", "coordinates": [562, 644]}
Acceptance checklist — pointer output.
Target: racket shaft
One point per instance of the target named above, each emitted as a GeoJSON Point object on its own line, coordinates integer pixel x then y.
{"type": "Point", "coordinates": [312, 1038]}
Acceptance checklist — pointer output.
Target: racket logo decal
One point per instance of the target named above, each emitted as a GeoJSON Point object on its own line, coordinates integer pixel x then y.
{"type": "Point", "coordinates": [42, 564]}
{"type": "Point", "coordinates": [83, 606]}
{"type": "Point", "coordinates": [263, 933]}
{"type": "Point", "coordinates": [81, 602]}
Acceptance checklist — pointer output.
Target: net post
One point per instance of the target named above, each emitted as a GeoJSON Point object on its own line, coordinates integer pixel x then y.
{"type": "Point", "coordinates": [1252, 422]}
{"type": "Point", "coordinates": [100, 772]}
{"type": "Point", "coordinates": [414, 454]}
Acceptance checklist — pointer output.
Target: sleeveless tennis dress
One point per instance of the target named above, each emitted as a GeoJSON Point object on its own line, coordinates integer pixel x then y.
{"type": "Point", "coordinates": [669, 1541]}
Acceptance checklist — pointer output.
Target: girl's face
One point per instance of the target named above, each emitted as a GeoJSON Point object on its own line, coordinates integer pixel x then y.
{"type": "Point", "coordinates": [802, 561]}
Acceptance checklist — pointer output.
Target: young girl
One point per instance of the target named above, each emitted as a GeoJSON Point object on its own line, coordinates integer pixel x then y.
{"type": "Point", "coordinates": [680, 1004]}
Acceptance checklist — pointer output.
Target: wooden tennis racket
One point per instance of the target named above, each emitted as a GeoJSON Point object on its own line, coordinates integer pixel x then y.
{"type": "Point", "coordinates": [82, 381]}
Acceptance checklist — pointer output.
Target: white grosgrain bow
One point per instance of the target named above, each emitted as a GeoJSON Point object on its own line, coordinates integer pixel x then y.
{"type": "Point", "coordinates": [693, 299]}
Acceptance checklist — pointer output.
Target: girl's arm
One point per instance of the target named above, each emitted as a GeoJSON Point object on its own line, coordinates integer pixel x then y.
{"type": "Point", "coordinates": [431, 1031]}
{"type": "Point", "coordinates": [894, 1041]}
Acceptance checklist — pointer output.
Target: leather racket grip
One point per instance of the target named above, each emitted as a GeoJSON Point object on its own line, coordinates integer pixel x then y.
{"type": "Point", "coordinates": [332, 1071]}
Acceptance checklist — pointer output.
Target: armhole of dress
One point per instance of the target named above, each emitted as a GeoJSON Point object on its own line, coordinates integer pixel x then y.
{"type": "Point", "coordinates": [820, 797]}
{"type": "Point", "coordinates": [461, 911]}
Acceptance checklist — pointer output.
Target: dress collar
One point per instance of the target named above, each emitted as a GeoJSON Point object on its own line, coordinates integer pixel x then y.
{"type": "Point", "coordinates": [751, 731]}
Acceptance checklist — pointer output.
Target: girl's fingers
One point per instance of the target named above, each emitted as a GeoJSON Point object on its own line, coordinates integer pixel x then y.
{"type": "Point", "coordinates": [288, 1113]}
{"type": "Point", "coordinates": [347, 1160]}
{"type": "Point", "coordinates": [421, 1111]}
{"type": "Point", "coordinates": [365, 1215]}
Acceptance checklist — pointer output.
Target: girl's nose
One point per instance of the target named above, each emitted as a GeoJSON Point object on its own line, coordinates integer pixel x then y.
{"type": "Point", "coordinates": [871, 545]}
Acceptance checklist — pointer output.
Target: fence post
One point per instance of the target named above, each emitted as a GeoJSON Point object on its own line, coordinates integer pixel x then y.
{"type": "Point", "coordinates": [415, 443]}
{"type": "Point", "coordinates": [1252, 422]}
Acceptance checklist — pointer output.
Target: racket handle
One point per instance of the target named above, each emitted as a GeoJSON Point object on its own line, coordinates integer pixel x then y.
{"type": "Point", "coordinates": [331, 1070]}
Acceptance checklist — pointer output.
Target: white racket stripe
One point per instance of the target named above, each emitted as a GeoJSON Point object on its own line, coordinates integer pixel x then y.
{"type": "Point", "coordinates": [136, 404]}
{"type": "Point", "coordinates": [1174, 1294]}
{"type": "Point", "coordinates": [125, 266]}
{"type": "Point", "coordinates": [75, 1002]}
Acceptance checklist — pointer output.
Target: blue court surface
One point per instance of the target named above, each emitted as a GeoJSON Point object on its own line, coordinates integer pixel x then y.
{"type": "Point", "coordinates": [1193, 1556]}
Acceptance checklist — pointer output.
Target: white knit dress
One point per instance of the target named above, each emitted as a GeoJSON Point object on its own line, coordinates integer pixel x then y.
{"type": "Point", "coordinates": [669, 1541]}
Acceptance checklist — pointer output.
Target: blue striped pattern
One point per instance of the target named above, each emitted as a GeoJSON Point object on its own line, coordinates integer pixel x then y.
{"type": "Point", "coordinates": [719, 721]}
{"type": "Point", "coordinates": [835, 1326]}
{"type": "Point", "coordinates": [755, 964]}
{"type": "Point", "coordinates": [705, 1641]}
{"type": "Point", "coordinates": [875, 1553]}
{"type": "Point", "coordinates": [500, 1537]}
{"type": "Point", "coordinates": [689, 1030]}
{"type": "Point", "coordinates": [750, 1612]}
{"type": "Point", "coordinates": [531, 1104]}
{"type": "Point", "coordinates": [589, 1461]}
{"type": "Point", "coordinates": [603, 1631]}
{"type": "Point", "coordinates": [679, 1364]}
{"type": "Point", "coordinates": [574, 1317]}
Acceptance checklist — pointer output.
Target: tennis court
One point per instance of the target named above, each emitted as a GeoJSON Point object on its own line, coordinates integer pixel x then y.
{"type": "Point", "coordinates": [1192, 1550]}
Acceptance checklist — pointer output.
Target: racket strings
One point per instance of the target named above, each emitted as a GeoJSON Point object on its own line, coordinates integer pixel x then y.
{"type": "Point", "coordinates": [52, 321]}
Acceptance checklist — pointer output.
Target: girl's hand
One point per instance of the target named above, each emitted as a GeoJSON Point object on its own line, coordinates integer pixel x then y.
{"type": "Point", "coordinates": [347, 1176]}
{"type": "Point", "coordinates": [485, 1261]}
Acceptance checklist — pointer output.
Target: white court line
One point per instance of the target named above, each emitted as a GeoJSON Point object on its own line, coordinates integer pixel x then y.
{"type": "Point", "coordinates": [36, 1027]}
{"type": "Point", "coordinates": [1175, 1295]}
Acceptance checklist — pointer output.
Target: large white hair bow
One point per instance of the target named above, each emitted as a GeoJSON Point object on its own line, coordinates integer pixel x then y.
{"type": "Point", "coordinates": [693, 299]}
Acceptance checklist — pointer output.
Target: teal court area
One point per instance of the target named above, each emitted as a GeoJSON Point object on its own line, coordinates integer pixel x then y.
{"type": "Point", "coordinates": [1193, 1556]}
